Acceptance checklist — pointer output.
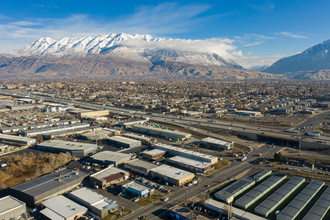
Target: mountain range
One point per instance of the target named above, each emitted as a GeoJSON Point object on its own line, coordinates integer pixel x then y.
{"type": "Point", "coordinates": [125, 56]}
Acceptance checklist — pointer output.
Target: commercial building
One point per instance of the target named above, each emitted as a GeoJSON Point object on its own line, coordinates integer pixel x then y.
{"type": "Point", "coordinates": [74, 148]}
{"type": "Point", "coordinates": [295, 207]}
{"type": "Point", "coordinates": [256, 193]}
{"type": "Point", "coordinates": [139, 166]}
{"type": "Point", "coordinates": [123, 142]}
{"type": "Point", "coordinates": [127, 123]}
{"type": "Point", "coordinates": [172, 175]}
{"type": "Point", "coordinates": [159, 132]}
{"type": "Point", "coordinates": [108, 176]}
{"type": "Point", "coordinates": [237, 213]}
{"type": "Point", "coordinates": [153, 154]}
{"type": "Point", "coordinates": [11, 208]}
{"type": "Point", "coordinates": [276, 199]}
{"type": "Point", "coordinates": [141, 138]}
{"type": "Point", "coordinates": [60, 207]}
{"type": "Point", "coordinates": [216, 144]}
{"type": "Point", "coordinates": [111, 157]}
{"type": "Point", "coordinates": [137, 188]}
{"type": "Point", "coordinates": [320, 208]}
{"type": "Point", "coordinates": [47, 186]}
{"type": "Point", "coordinates": [192, 165]}
{"type": "Point", "coordinates": [16, 140]}
{"type": "Point", "coordinates": [65, 133]}
{"type": "Point", "coordinates": [113, 131]}
{"type": "Point", "coordinates": [186, 153]}
{"type": "Point", "coordinates": [96, 203]}
{"type": "Point", "coordinates": [235, 189]}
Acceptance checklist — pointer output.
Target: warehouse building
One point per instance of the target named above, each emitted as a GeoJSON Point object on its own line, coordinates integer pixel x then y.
{"type": "Point", "coordinates": [93, 114]}
{"type": "Point", "coordinates": [192, 165]}
{"type": "Point", "coordinates": [139, 189]}
{"type": "Point", "coordinates": [123, 142]}
{"type": "Point", "coordinates": [95, 202]}
{"type": "Point", "coordinates": [16, 140]}
{"type": "Point", "coordinates": [256, 193]}
{"type": "Point", "coordinates": [113, 132]}
{"type": "Point", "coordinates": [177, 151]}
{"type": "Point", "coordinates": [74, 148]}
{"type": "Point", "coordinates": [261, 175]}
{"type": "Point", "coordinates": [159, 132]}
{"type": "Point", "coordinates": [67, 128]}
{"type": "Point", "coordinates": [60, 207]}
{"type": "Point", "coordinates": [139, 166]}
{"type": "Point", "coordinates": [295, 207]}
{"type": "Point", "coordinates": [47, 186]}
{"type": "Point", "coordinates": [153, 154]}
{"type": "Point", "coordinates": [320, 208]}
{"type": "Point", "coordinates": [276, 199]}
{"type": "Point", "coordinates": [141, 138]}
{"type": "Point", "coordinates": [65, 133]}
{"type": "Point", "coordinates": [98, 134]}
{"type": "Point", "coordinates": [235, 189]}
{"type": "Point", "coordinates": [172, 175]}
{"type": "Point", "coordinates": [127, 123]}
{"type": "Point", "coordinates": [108, 176]}
{"type": "Point", "coordinates": [11, 208]}
{"type": "Point", "coordinates": [111, 157]}
{"type": "Point", "coordinates": [216, 144]}
{"type": "Point", "coordinates": [25, 107]}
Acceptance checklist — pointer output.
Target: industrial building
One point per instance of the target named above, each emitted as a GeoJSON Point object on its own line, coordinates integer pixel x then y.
{"type": "Point", "coordinates": [113, 132]}
{"type": "Point", "coordinates": [47, 186]}
{"type": "Point", "coordinates": [65, 133]}
{"type": "Point", "coordinates": [60, 207]}
{"type": "Point", "coordinates": [111, 157]}
{"type": "Point", "coordinates": [123, 142]}
{"type": "Point", "coordinates": [11, 208]}
{"type": "Point", "coordinates": [172, 175]}
{"type": "Point", "coordinates": [192, 165]}
{"type": "Point", "coordinates": [127, 123]}
{"type": "Point", "coordinates": [98, 134]}
{"type": "Point", "coordinates": [139, 166]}
{"type": "Point", "coordinates": [141, 138]}
{"type": "Point", "coordinates": [216, 144]}
{"type": "Point", "coordinates": [294, 208]}
{"type": "Point", "coordinates": [276, 199]}
{"type": "Point", "coordinates": [74, 148]}
{"type": "Point", "coordinates": [153, 154]}
{"type": "Point", "coordinates": [320, 208]}
{"type": "Point", "coordinates": [68, 128]}
{"type": "Point", "coordinates": [261, 175]}
{"type": "Point", "coordinates": [108, 176]}
{"type": "Point", "coordinates": [235, 189]}
{"type": "Point", "coordinates": [186, 153]}
{"type": "Point", "coordinates": [256, 193]}
{"type": "Point", "coordinates": [95, 202]}
{"type": "Point", "coordinates": [237, 213]}
{"type": "Point", "coordinates": [17, 140]}
{"type": "Point", "coordinates": [139, 189]}
{"type": "Point", "coordinates": [25, 107]}
{"type": "Point", "coordinates": [159, 132]}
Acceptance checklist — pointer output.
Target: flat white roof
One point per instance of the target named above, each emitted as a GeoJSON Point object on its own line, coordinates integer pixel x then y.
{"type": "Point", "coordinates": [111, 156]}
{"type": "Point", "coordinates": [13, 137]}
{"type": "Point", "coordinates": [154, 152]}
{"type": "Point", "coordinates": [216, 141]}
{"type": "Point", "coordinates": [172, 172]}
{"type": "Point", "coordinates": [68, 145]}
{"type": "Point", "coordinates": [9, 203]}
{"type": "Point", "coordinates": [190, 162]}
{"type": "Point", "coordinates": [123, 140]}
{"type": "Point", "coordinates": [61, 206]}
{"type": "Point", "coordinates": [194, 153]}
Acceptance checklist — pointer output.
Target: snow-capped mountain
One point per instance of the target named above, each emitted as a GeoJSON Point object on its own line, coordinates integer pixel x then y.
{"type": "Point", "coordinates": [313, 59]}
{"type": "Point", "coordinates": [138, 48]}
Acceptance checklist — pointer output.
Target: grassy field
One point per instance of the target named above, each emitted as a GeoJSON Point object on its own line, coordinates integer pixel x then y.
{"type": "Point", "coordinates": [148, 200]}
{"type": "Point", "coordinates": [25, 167]}
{"type": "Point", "coordinates": [115, 215]}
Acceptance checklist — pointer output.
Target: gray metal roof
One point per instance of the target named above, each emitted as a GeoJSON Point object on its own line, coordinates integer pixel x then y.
{"type": "Point", "coordinates": [124, 140]}
{"type": "Point", "coordinates": [68, 145]}
{"type": "Point", "coordinates": [262, 174]}
{"type": "Point", "coordinates": [111, 156]}
{"type": "Point", "coordinates": [141, 163]}
{"type": "Point", "coordinates": [298, 203]}
{"type": "Point", "coordinates": [50, 181]}
{"type": "Point", "coordinates": [320, 208]}
{"type": "Point", "coordinates": [280, 194]}
{"type": "Point", "coordinates": [259, 190]}
{"type": "Point", "coordinates": [233, 188]}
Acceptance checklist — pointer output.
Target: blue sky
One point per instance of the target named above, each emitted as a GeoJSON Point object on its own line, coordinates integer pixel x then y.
{"type": "Point", "coordinates": [256, 28]}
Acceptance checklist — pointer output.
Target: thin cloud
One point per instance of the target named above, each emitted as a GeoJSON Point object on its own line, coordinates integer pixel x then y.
{"type": "Point", "coordinates": [291, 35]}
{"type": "Point", "coordinates": [248, 62]}
{"type": "Point", "coordinates": [253, 44]}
